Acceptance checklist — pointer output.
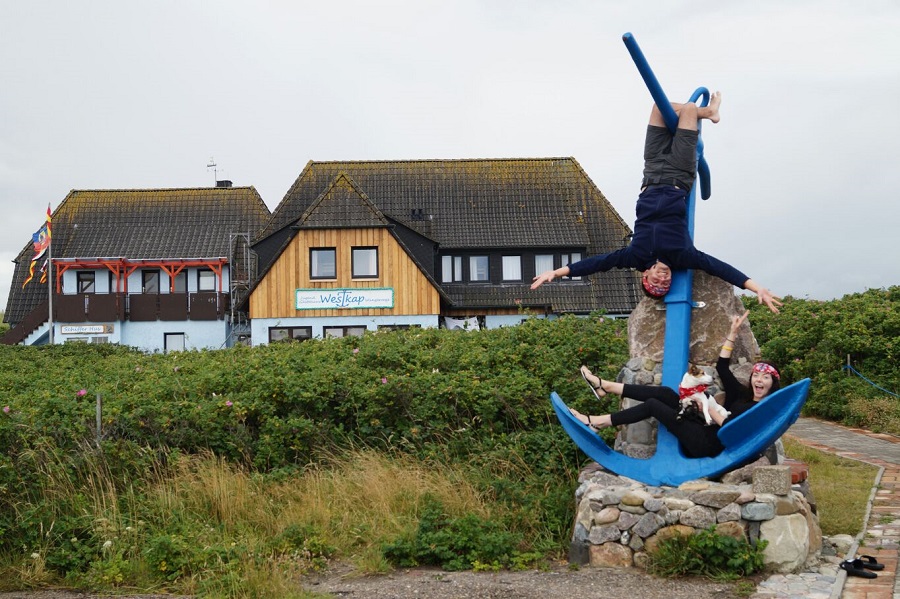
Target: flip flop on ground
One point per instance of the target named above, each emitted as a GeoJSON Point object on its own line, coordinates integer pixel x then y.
{"type": "Point", "coordinates": [854, 567]}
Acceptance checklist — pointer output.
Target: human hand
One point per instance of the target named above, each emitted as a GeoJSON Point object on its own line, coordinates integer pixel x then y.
{"type": "Point", "coordinates": [764, 296]}
{"type": "Point", "coordinates": [736, 323]}
{"type": "Point", "coordinates": [544, 277]}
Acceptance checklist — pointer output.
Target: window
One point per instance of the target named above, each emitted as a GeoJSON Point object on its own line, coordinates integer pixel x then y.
{"type": "Point", "coordinates": [322, 263]}
{"type": "Point", "coordinates": [180, 285]}
{"type": "Point", "coordinates": [206, 280]}
{"type": "Point", "coordinates": [364, 263]}
{"type": "Point", "coordinates": [344, 331]}
{"type": "Point", "coordinates": [512, 268]}
{"type": "Point", "coordinates": [568, 259]}
{"type": "Point", "coordinates": [451, 269]}
{"type": "Point", "coordinates": [85, 280]}
{"type": "Point", "coordinates": [398, 327]}
{"type": "Point", "coordinates": [173, 342]}
{"type": "Point", "coordinates": [543, 263]}
{"type": "Point", "coordinates": [149, 281]}
{"type": "Point", "coordinates": [478, 268]}
{"type": "Point", "coordinates": [285, 334]}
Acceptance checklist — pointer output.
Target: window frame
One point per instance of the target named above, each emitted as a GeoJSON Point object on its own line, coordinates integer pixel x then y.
{"type": "Point", "coordinates": [313, 252]}
{"type": "Point", "coordinates": [453, 274]}
{"type": "Point", "coordinates": [503, 263]}
{"type": "Point", "coordinates": [567, 258]}
{"type": "Point", "coordinates": [487, 263]}
{"type": "Point", "coordinates": [150, 273]}
{"type": "Point", "coordinates": [200, 278]}
{"type": "Point", "coordinates": [345, 331]}
{"type": "Point", "coordinates": [353, 262]}
{"type": "Point", "coordinates": [291, 336]}
{"type": "Point", "coordinates": [81, 281]}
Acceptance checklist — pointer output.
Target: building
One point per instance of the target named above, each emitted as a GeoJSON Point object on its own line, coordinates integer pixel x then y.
{"type": "Point", "coordinates": [357, 246]}
{"type": "Point", "coordinates": [158, 269]}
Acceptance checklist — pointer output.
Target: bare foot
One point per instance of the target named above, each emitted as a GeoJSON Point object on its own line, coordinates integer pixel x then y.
{"type": "Point", "coordinates": [714, 101]}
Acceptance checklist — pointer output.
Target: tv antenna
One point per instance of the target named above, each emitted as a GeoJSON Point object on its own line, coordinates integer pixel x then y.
{"type": "Point", "coordinates": [212, 165]}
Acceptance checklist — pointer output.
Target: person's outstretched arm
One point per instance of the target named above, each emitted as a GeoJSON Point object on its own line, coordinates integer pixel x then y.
{"type": "Point", "coordinates": [601, 263]}
{"type": "Point", "coordinates": [763, 295]}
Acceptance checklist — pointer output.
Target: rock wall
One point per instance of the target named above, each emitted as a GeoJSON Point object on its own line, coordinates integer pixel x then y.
{"type": "Point", "coordinates": [620, 521]}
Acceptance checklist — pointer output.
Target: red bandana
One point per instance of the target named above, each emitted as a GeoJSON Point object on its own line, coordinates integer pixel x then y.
{"type": "Point", "coordinates": [766, 369]}
{"type": "Point", "coordinates": [688, 391]}
{"type": "Point", "coordinates": [653, 289]}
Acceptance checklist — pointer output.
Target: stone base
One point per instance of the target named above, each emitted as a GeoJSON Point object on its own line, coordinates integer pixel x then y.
{"type": "Point", "coordinates": [619, 521]}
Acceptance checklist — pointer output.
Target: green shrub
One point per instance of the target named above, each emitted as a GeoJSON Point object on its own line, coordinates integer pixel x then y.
{"type": "Point", "coordinates": [454, 543]}
{"type": "Point", "coordinates": [707, 554]}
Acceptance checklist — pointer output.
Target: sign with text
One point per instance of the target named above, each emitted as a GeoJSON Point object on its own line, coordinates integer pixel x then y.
{"type": "Point", "coordinates": [86, 329]}
{"type": "Point", "coordinates": [331, 299]}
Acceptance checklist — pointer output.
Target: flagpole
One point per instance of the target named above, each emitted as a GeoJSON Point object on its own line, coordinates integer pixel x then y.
{"type": "Point", "coordinates": [50, 284]}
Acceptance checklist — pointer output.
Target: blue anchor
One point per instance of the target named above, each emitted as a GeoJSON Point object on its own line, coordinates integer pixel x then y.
{"type": "Point", "coordinates": [745, 436]}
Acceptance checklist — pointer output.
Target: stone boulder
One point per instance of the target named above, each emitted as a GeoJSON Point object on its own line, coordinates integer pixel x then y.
{"type": "Point", "coordinates": [709, 325]}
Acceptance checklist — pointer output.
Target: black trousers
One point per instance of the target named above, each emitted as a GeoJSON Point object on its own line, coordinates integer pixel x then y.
{"type": "Point", "coordinates": [697, 440]}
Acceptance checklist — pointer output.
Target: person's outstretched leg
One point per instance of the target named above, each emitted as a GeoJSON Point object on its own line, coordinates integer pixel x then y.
{"type": "Point", "coordinates": [689, 113]}
{"type": "Point", "coordinates": [637, 392]}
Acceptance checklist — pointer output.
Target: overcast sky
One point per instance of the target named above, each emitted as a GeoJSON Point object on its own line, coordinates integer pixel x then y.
{"type": "Point", "coordinates": [106, 94]}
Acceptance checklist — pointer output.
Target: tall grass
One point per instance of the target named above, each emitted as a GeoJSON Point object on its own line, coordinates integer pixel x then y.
{"type": "Point", "coordinates": [226, 531]}
{"type": "Point", "coordinates": [840, 486]}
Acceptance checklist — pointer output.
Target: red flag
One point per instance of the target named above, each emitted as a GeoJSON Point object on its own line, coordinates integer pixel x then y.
{"type": "Point", "coordinates": [41, 242]}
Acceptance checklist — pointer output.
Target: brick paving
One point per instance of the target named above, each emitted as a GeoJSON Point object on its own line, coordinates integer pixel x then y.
{"type": "Point", "coordinates": [881, 539]}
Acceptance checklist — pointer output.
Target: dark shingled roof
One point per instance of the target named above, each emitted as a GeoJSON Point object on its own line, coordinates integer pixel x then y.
{"type": "Point", "coordinates": [151, 224]}
{"type": "Point", "coordinates": [469, 204]}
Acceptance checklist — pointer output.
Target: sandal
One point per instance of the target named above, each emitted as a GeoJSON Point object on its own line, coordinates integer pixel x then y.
{"type": "Point", "coordinates": [870, 563]}
{"type": "Point", "coordinates": [588, 424]}
{"type": "Point", "coordinates": [854, 567]}
{"type": "Point", "coordinates": [598, 391]}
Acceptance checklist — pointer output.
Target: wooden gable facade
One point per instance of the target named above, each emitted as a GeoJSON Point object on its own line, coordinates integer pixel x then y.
{"type": "Point", "coordinates": [449, 241]}
{"type": "Point", "coordinates": [344, 219]}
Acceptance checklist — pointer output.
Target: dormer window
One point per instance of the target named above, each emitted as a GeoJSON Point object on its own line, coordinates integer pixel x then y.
{"type": "Point", "coordinates": [478, 269]}
{"type": "Point", "coordinates": [451, 269]}
{"type": "Point", "coordinates": [570, 258]}
{"type": "Point", "coordinates": [512, 268]}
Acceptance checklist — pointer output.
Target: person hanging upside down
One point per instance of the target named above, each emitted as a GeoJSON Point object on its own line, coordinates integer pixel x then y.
{"type": "Point", "coordinates": [696, 439]}
{"type": "Point", "coordinates": [661, 240]}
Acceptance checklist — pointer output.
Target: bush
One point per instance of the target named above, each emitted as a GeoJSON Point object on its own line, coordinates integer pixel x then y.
{"type": "Point", "coordinates": [707, 554]}
{"type": "Point", "coordinates": [454, 543]}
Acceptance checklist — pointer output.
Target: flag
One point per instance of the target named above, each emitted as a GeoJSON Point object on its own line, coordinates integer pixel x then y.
{"type": "Point", "coordinates": [41, 242]}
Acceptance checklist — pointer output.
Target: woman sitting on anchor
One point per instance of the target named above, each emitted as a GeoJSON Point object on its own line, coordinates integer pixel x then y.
{"type": "Point", "coordinates": [661, 240]}
{"type": "Point", "coordinates": [696, 439]}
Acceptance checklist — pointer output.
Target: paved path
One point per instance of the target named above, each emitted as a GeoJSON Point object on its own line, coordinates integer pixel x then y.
{"type": "Point", "coordinates": [881, 538]}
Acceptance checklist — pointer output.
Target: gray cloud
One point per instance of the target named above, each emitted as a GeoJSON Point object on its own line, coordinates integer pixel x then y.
{"type": "Point", "coordinates": [131, 95]}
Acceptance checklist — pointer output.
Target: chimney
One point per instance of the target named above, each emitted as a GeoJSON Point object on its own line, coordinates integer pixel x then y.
{"type": "Point", "coordinates": [223, 183]}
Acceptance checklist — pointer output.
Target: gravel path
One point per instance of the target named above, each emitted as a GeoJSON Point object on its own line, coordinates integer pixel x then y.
{"type": "Point", "coordinates": [431, 583]}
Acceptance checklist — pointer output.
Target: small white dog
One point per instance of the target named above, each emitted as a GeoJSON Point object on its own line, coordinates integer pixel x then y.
{"type": "Point", "coordinates": [693, 387]}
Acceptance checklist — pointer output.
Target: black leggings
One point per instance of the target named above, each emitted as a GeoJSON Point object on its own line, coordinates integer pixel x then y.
{"type": "Point", "coordinates": [696, 440]}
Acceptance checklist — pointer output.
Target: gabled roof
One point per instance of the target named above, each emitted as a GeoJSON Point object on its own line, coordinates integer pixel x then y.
{"type": "Point", "coordinates": [342, 205]}
{"type": "Point", "coordinates": [151, 224]}
{"type": "Point", "coordinates": [527, 202]}
{"type": "Point", "coordinates": [475, 204]}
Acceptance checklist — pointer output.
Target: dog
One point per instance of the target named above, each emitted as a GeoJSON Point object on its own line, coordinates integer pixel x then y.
{"type": "Point", "coordinates": [693, 387]}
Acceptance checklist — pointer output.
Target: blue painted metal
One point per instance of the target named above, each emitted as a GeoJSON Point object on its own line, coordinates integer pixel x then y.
{"type": "Point", "coordinates": [747, 435]}
{"type": "Point", "coordinates": [744, 437]}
